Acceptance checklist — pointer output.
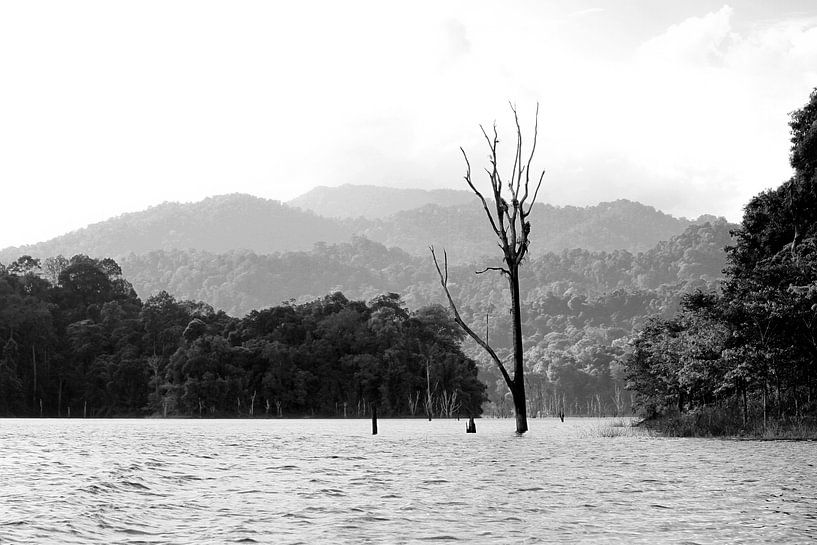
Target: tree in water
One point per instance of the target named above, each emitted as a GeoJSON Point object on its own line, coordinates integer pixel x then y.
{"type": "Point", "coordinates": [509, 221]}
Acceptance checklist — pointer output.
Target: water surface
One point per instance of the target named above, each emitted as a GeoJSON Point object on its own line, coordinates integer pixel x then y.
{"type": "Point", "coordinates": [331, 481]}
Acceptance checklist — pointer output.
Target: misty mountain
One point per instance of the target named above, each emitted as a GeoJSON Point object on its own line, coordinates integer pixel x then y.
{"type": "Point", "coordinates": [466, 234]}
{"type": "Point", "coordinates": [244, 222]}
{"type": "Point", "coordinates": [216, 224]}
{"type": "Point", "coordinates": [372, 202]}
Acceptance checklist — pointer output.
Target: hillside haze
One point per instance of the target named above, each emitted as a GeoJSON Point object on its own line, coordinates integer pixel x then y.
{"type": "Point", "coordinates": [466, 234]}
{"type": "Point", "coordinates": [243, 222]}
{"type": "Point", "coordinates": [216, 224]}
{"type": "Point", "coordinates": [373, 202]}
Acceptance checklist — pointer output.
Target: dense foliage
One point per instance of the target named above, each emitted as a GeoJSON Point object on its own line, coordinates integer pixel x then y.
{"type": "Point", "coordinates": [580, 311]}
{"type": "Point", "coordinates": [753, 346]}
{"type": "Point", "coordinates": [77, 340]}
{"type": "Point", "coordinates": [240, 281]}
{"type": "Point", "coordinates": [580, 307]}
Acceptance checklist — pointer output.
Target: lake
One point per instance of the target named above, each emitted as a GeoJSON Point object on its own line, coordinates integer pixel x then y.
{"type": "Point", "coordinates": [331, 481]}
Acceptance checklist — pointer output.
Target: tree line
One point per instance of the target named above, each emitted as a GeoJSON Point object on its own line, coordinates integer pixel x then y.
{"type": "Point", "coordinates": [77, 341]}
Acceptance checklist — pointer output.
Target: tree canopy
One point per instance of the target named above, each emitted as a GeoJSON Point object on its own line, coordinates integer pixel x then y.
{"type": "Point", "coordinates": [88, 345]}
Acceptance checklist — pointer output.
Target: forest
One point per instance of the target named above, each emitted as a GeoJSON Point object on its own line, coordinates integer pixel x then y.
{"type": "Point", "coordinates": [77, 341]}
{"type": "Point", "coordinates": [742, 358]}
{"type": "Point", "coordinates": [97, 345]}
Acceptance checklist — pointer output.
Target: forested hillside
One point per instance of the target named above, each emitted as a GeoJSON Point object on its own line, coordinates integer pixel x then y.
{"type": "Point", "coordinates": [580, 309]}
{"type": "Point", "coordinates": [240, 281]}
{"type": "Point", "coordinates": [463, 231]}
{"type": "Point", "coordinates": [216, 224]}
{"type": "Point", "coordinates": [243, 222]}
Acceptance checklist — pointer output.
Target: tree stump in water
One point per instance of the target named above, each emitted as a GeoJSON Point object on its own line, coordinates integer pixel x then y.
{"type": "Point", "coordinates": [374, 419]}
{"type": "Point", "coordinates": [471, 426]}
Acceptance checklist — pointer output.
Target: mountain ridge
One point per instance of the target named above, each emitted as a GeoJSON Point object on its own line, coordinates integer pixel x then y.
{"type": "Point", "coordinates": [239, 221]}
{"type": "Point", "coordinates": [350, 201]}
{"type": "Point", "coordinates": [219, 223]}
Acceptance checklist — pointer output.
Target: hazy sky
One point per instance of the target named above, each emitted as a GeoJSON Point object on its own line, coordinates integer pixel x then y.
{"type": "Point", "coordinates": [108, 107]}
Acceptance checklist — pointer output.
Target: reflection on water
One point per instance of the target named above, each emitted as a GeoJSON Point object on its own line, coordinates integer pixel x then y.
{"type": "Point", "coordinates": [307, 481]}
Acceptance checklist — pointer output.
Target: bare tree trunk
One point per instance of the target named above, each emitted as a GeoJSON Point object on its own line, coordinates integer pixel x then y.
{"type": "Point", "coordinates": [518, 387]}
{"type": "Point", "coordinates": [509, 222]}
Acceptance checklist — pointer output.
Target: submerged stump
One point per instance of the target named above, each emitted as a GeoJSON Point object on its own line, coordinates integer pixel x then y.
{"type": "Point", "coordinates": [374, 420]}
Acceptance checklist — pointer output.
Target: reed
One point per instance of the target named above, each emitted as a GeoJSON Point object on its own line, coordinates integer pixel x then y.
{"type": "Point", "coordinates": [614, 428]}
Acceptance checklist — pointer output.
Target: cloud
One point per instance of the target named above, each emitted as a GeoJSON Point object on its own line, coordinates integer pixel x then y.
{"type": "Point", "coordinates": [696, 40]}
{"type": "Point", "coordinates": [585, 12]}
{"type": "Point", "coordinates": [457, 40]}
{"type": "Point", "coordinates": [707, 105]}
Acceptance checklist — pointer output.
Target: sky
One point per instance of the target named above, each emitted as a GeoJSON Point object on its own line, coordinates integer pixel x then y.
{"type": "Point", "coordinates": [110, 107]}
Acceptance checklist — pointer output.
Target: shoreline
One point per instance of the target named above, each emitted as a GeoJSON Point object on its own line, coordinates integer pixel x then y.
{"type": "Point", "coordinates": [715, 425]}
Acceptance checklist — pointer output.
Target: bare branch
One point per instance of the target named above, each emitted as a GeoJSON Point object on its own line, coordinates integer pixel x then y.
{"type": "Point", "coordinates": [443, 274]}
{"type": "Point", "coordinates": [530, 158]}
{"type": "Point", "coordinates": [475, 190]}
{"type": "Point", "coordinates": [500, 269]}
{"type": "Point", "coordinates": [517, 156]}
{"type": "Point", "coordinates": [485, 134]}
{"type": "Point", "coordinates": [535, 193]}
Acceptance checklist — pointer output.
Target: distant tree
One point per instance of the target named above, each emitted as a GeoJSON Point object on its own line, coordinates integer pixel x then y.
{"type": "Point", "coordinates": [53, 267]}
{"type": "Point", "coordinates": [509, 222]}
{"type": "Point", "coordinates": [24, 265]}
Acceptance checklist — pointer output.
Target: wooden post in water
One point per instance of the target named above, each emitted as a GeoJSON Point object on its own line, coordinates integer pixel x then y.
{"type": "Point", "coordinates": [374, 419]}
{"type": "Point", "coordinates": [428, 388]}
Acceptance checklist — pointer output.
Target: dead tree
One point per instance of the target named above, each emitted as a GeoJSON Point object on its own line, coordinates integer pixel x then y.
{"type": "Point", "coordinates": [509, 221]}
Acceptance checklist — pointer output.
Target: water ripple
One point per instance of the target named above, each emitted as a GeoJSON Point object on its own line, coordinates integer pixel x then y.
{"type": "Point", "coordinates": [278, 481]}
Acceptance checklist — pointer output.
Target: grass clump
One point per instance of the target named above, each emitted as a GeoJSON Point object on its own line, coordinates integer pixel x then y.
{"type": "Point", "coordinates": [614, 428]}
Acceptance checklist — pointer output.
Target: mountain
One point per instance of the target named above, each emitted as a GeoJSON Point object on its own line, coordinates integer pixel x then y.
{"type": "Point", "coordinates": [243, 222]}
{"type": "Point", "coordinates": [372, 202]}
{"type": "Point", "coordinates": [466, 234]}
{"type": "Point", "coordinates": [216, 224]}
